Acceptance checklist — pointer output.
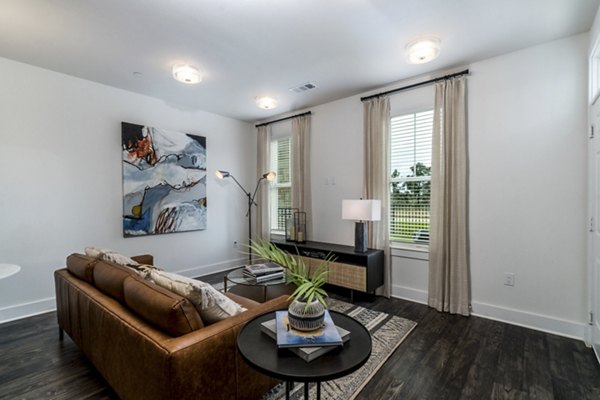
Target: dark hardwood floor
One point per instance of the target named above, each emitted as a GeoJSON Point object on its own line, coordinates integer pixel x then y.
{"type": "Point", "coordinates": [445, 357]}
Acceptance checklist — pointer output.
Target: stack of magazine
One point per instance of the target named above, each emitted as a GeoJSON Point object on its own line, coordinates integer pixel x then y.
{"type": "Point", "coordinates": [263, 272]}
{"type": "Point", "coordinates": [306, 345]}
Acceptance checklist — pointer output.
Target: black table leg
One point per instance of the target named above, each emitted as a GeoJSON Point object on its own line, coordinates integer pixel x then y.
{"type": "Point", "coordinates": [288, 386]}
{"type": "Point", "coordinates": [319, 390]}
{"type": "Point", "coordinates": [305, 390]}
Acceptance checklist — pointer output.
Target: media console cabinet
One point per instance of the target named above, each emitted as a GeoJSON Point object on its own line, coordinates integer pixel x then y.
{"type": "Point", "coordinates": [361, 272]}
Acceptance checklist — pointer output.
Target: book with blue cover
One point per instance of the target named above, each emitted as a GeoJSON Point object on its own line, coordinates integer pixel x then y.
{"type": "Point", "coordinates": [287, 336]}
{"type": "Point", "coordinates": [306, 353]}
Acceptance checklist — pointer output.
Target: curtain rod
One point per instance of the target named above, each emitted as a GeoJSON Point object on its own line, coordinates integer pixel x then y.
{"type": "Point", "coordinates": [414, 85]}
{"type": "Point", "coordinates": [283, 119]}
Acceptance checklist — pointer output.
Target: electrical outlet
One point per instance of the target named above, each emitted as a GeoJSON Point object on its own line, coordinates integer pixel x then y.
{"type": "Point", "coordinates": [509, 279]}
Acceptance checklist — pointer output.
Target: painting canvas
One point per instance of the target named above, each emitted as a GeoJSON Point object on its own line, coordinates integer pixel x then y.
{"type": "Point", "coordinates": [164, 181]}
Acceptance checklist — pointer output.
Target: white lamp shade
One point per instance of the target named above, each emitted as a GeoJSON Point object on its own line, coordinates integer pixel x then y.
{"type": "Point", "coordinates": [361, 210]}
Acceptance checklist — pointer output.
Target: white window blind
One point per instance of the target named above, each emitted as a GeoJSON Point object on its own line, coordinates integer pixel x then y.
{"type": "Point", "coordinates": [410, 177]}
{"type": "Point", "coordinates": [281, 187]}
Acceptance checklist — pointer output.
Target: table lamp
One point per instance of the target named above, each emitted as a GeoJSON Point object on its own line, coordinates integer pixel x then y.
{"type": "Point", "coordinates": [361, 211]}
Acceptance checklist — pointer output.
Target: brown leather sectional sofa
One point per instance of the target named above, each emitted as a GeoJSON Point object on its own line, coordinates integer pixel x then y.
{"type": "Point", "coordinates": [150, 343]}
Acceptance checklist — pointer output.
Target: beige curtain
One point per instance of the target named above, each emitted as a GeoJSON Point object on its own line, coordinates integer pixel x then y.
{"type": "Point", "coordinates": [263, 164]}
{"type": "Point", "coordinates": [449, 283]}
{"type": "Point", "coordinates": [301, 185]}
{"type": "Point", "coordinates": [376, 137]}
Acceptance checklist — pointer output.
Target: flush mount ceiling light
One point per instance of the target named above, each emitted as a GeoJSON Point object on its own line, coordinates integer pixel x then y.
{"type": "Point", "coordinates": [186, 73]}
{"type": "Point", "coordinates": [266, 102]}
{"type": "Point", "coordinates": [423, 50]}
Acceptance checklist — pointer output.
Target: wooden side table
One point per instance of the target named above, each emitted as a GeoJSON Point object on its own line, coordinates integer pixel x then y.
{"type": "Point", "coordinates": [262, 354]}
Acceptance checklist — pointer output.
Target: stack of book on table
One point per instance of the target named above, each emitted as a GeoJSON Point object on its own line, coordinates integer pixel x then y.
{"type": "Point", "coordinates": [263, 272]}
{"type": "Point", "coordinates": [306, 345]}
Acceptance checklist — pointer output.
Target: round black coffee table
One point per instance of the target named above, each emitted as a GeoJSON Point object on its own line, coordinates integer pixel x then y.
{"type": "Point", "coordinates": [261, 353]}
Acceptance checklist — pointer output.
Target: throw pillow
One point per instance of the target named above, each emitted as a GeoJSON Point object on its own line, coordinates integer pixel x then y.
{"type": "Point", "coordinates": [110, 255]}
{"type": "Point", "coordinates": [118, 258]}
{"type": "Point", "coordinates": [211, 304]}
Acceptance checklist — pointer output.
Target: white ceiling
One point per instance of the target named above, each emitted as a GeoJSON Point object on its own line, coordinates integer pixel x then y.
{"type": "Point", "coordinates": [247, 48]}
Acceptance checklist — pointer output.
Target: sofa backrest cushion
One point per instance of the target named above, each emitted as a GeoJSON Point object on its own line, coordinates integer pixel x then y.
{"type": "Point", "coordinates": [211, 304]}
{"type": "Point", "coordinates": [109, 278]}
{"type": "Point", "coordinates": [168, 311]}
{"type": "Point", "coordinates": [82, 266]}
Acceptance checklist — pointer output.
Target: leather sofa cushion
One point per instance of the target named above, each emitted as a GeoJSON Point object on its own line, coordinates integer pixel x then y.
{"type": "Point", "coordinates": [109, 278]}
{"type": "Point", "coordinates": [168, 311]}
{"type": "Point", "coordinates": [82, 266]}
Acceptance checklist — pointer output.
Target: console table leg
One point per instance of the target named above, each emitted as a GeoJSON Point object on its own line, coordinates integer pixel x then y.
{"type": "Point", "coordinates": [61, 334]}
{"type": "Point", "coordinates": [305, 390]}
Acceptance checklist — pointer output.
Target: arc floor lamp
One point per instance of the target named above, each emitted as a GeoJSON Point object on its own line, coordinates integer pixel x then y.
{"type": "Point", "coordinates": [269, 176]}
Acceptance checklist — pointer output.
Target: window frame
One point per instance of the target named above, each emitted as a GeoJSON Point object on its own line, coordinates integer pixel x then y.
{"type": "Point", "coordinates": [406, 247]}
{"type": "Point", "coordinates": [275, 185]}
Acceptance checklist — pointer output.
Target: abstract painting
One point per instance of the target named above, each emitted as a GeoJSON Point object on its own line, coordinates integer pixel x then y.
{"type": "Point", "coordinates": [164, 181]}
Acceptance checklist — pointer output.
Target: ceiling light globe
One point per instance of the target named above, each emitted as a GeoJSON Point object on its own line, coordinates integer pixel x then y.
{"type": "Point", "coordinates": [423, 50]}
{"type": "Point", "coordinates": [186, 73]}
{"type": "Point", "coordinates": [266, 102]}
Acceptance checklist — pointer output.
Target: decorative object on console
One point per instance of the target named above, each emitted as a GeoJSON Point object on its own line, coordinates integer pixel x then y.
{"type": "Point", "coordinates": [269, 176]}
{"type": "Point", "coordinates": [300, 226]}
{"type": "Point", "coordinates": [361, 211]}
{"type": "Point", "coordinates": [285, 218]}
{"type": "Point", "coordinates": [308, 307]}
{"type": "Point", "coordinates": [164, 181]}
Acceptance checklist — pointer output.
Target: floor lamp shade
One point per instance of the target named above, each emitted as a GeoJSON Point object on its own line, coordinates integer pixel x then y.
{"type": "Point", "coordinates": [361, 211]}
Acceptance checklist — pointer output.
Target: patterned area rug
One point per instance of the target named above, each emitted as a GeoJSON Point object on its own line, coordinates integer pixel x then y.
{"type": "Point", "coordinates": [387, 332]}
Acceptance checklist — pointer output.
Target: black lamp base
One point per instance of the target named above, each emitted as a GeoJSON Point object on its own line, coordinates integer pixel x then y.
{"type": "Point", "coordinates": [360, 237]}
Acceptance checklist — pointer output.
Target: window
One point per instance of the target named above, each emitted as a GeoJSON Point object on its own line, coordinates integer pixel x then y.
{"type": "Point", "coordinates": [281, 187]}
{"type": "Point", "coordinates": [410, 177]}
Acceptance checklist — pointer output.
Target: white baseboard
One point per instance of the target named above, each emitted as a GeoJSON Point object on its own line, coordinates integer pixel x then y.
{"type": "Point", "coordinates": [544, 323]}
{"type": "Point", "coordinates": [24, 310]}
{"type": "Point", "coordinates": [410, 294]}
{"type": "Point", "coordinates": [539, 322]}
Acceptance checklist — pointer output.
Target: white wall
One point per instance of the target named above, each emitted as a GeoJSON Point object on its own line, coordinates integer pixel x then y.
{"type": "Point", "coordinates": [527, 132]}
{"type": "Point", "coordinates": [528, 138]}
{"type": "Point", "coordinates": [60, 180]}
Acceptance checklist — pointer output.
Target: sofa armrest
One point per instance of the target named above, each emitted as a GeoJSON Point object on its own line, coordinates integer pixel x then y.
{"type": "Point", "coordinates": [195, 338]}
{"type": "Point", "coordinates": [147, 259]}
{"type": "Point", "coordinates": [209, 356]}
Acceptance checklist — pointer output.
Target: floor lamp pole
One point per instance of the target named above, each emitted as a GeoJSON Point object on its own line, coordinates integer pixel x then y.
{"type": "Point", "coordinates": [268, 176]}
{"type": "Point", "coordinates": [250, 202]}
